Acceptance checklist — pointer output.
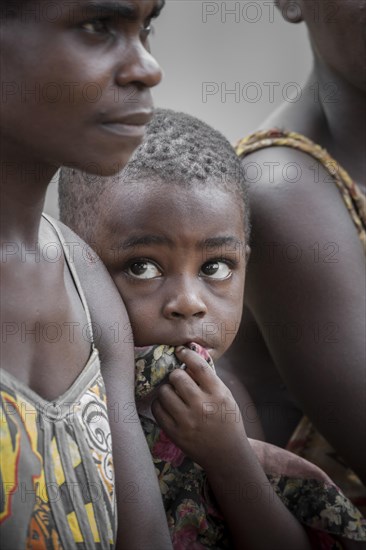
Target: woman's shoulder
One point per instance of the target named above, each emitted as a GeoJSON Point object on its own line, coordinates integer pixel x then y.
{"type": "Point", "coordinates": [280, 158]}
{"type": "Point", "coordinates": [108, 313]}
{"type": "Point", "coordinates": [295, 183]}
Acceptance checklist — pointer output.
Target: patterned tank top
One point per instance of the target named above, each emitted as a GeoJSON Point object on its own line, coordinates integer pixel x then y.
{"type": "Point", "coordinates": [56, 469]}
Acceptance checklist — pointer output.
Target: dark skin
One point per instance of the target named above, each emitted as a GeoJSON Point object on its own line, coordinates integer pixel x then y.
{"type": "Point", "coordinates": [322, 294]}
{"type": "Point", "coordinates": [178, 286]}
{"type": "Point", "coordinates": [37, 136]}
{"type": "Point", "coordinates": [183, 281]}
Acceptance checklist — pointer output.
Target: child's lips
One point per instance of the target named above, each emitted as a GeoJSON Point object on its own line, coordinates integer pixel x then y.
{"type": "Point", "coordinates": [196, 341]}
{"type": "Point", "coordinates": [202, 350]}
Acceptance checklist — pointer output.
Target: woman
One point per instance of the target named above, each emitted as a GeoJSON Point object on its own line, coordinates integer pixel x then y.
{"type": "Point", "coordinates": [304, 324]}
{"type": "Point", "coordinates": [76, 81]}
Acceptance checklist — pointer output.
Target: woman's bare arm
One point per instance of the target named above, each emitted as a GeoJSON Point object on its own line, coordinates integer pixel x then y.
{"type": "Point", "coordinates": [306, 290]}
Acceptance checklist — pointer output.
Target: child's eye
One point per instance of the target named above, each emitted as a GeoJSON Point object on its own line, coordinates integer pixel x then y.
{"type": "Point", "coordinates": [96, 26]}
{"type": "Point", "coordinates": [215, 270]}
{"type": "Point", "coordinates": [143, 269]}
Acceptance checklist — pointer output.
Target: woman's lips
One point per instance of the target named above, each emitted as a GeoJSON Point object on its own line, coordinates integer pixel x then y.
{"type": "Point", "coordinates": [125, 130]}
{"type": "Point", "coordinates": [132, 125]}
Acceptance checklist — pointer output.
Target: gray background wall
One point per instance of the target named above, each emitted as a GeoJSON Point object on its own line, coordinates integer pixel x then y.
{"type": "Point", "coordinates": [208, 49]}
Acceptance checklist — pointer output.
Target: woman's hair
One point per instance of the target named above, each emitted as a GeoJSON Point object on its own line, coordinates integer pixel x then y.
{"type": "Point", "coordinates": [11, 9]}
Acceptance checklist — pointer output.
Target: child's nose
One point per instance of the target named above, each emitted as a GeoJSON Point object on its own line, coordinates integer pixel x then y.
{"type": "Point", "coordinates": [184, 302]}
{"type": "Point", "coordinates": [139, 67]}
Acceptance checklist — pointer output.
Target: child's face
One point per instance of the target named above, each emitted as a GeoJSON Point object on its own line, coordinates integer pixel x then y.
{"type": "Point", "coordinates": [177, 257]}
{"type": "Point", "coordinates": [76, 80]}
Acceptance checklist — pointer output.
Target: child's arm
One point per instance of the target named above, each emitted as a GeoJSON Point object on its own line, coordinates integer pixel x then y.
{"type": "Point", "coordinates": [141, 516]}
{"type": "Point", "coordinates": [200, 415]}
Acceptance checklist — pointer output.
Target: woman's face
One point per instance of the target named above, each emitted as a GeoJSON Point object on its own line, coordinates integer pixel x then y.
{"type": "Point", "coordinates": [75, 81]}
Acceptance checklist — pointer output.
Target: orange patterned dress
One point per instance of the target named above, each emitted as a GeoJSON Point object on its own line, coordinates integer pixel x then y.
{"type": "Point", "coordinates": [56, 468]}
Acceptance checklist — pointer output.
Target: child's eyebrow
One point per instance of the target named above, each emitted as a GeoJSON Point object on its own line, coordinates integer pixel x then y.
{"type": "Point", "coordinates": [214, 242]}
{"type": "Point", "coordinates": [146, 240]}
{"type": "Point", "coordinates": [229, 242]}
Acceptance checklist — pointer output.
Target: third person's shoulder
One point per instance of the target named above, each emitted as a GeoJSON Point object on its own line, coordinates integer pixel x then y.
{"type": "Point", "coordinates": [292, 194]}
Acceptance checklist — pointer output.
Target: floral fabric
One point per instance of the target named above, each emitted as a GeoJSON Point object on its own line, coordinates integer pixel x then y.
{"type": "Point", "coordinates": [194, 519]}
{"type": "Point", "coordinates": [154, 364]}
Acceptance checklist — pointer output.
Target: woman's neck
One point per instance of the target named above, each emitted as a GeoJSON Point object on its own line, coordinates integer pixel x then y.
{"type": "Point", "coordinates": [23, 189]}
{"type": "Point", "coordinates": [345, 115]}
{"type": "Point", "coordinates": [331, 112]}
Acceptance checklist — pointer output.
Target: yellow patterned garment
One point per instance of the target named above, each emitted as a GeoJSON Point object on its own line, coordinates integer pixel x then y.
{"type": "Point", "coordinates": [57, 477]}
{"type": "Point", "coordinates": [306, 441]}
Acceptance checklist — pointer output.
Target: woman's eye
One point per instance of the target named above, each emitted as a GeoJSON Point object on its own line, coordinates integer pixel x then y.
{"type": "Point", "coordinates": [97, 26]}
{"type": "Point", "coordinates": [215, 270]}
{"type": "Point", "coordinates": [147, 29]}
{"type": "Point", "coordinates": [143, 270]}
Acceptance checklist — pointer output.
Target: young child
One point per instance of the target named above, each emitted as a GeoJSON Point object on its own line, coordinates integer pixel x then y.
{"type": "Point", "coordinates": [173, 231]}
{"type": "Point", "coordinates": [62, 68]}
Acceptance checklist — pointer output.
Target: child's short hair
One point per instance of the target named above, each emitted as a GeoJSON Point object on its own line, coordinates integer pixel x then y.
{"type": "Point", "coordinates": [177, 149]}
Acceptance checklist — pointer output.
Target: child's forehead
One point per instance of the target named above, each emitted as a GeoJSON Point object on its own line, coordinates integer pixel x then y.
{"type": "Point", "coordinates": [152, 204]}
{"type": "Point", "coordinates": [150, 193]}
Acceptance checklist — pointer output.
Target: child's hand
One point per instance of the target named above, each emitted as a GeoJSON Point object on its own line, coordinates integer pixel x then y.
{"type": "Point", "coordinates": [199, 413]}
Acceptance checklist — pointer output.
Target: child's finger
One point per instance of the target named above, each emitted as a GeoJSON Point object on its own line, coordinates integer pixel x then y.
{"type": "Point", "coordinates": [162, 417]}
{"type": "Point", "coordinates": [197, 368]}
{"type": "Point", "coordinates": [171, 401]}
{"type": "Point", "coordinates": [184, 385]}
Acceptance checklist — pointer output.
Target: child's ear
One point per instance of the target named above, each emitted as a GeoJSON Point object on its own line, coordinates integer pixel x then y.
{"type": "Point", "coordinates": [291, 10]}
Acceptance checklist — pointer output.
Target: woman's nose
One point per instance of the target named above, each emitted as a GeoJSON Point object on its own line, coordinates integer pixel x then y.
{"type": "Point", "coordinates": [138, 67]}
{"type": "Point", "coordinates": [184, 302]}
